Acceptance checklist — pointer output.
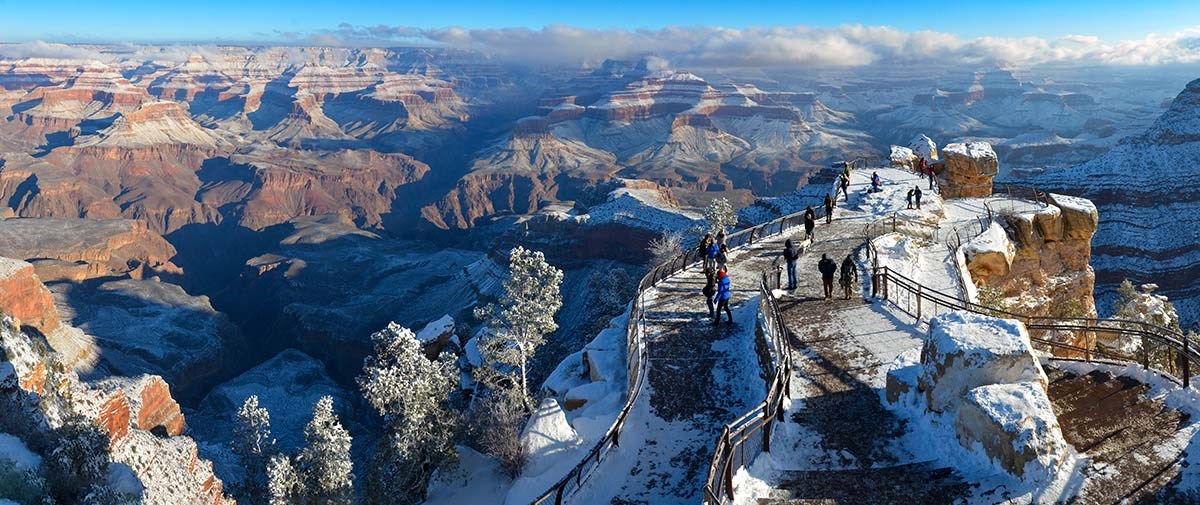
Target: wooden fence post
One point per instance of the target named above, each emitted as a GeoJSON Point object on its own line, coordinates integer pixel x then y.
{"type": "Point", "coordinates": [918, 302]}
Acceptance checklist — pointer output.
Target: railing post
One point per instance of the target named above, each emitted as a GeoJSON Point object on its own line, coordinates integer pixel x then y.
{"type": "Point", "coordinates": [918, 302]}
{"type": "Point", "coordinates": [728, 472]}
{"type": "Point", "coordinates": [1187, 361]}
{"type": "Point", "coordinates": [767, 425]}
{"type": "Point", "coordinates": [1145, 354]}
{"type": "Point", "coordinates": [874, 281]}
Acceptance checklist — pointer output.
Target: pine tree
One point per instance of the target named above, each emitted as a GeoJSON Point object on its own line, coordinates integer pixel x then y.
{"type": "Point", "coordinates": [520, 322]}
{"type": "Point", "coordinates": [283, 483]}
{"type": "Point", "coordinates": [720, 215]}
{"type": "Point", "coordinates": [411, 393]}
{"type": "Point", "coordinates": [253, 445]}
{"type": "Point", "coordinates": [324, 464]}
{"type": "Point", "coordinates": [665, 247]}
{"type": "Point", "coordinates": [78, 462]}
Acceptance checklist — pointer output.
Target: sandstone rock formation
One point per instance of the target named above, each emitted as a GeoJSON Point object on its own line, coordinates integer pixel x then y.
{"type": "Point", "coordinates": [969, 169]}
{"type": "Point", "coordinates": [70, 249]}
{"type": "Point", "coordinates": [965, 351]}
{"type": "Point", "coordinates": [1016, 426]}
{"type": "Point", "coordinates": [924, 147]}
{"type": "Point", "coordinates": [902, 157]}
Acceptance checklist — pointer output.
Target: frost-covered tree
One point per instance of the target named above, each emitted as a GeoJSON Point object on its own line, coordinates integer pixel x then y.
{"type": "Point", "coordinates": [78, 462]}
{"type": "Point", "coordinates": [283, 483]}
{"type": "Point", "coordinates": [719, 215]}
{"type": "Point", "coordinates": [324, 464]}
{"type": "Point", "coordinates": [519, 322]}
{"type": "Point", "coordinates": [253, 445]}
{"type": "Point", "coordinates": [609, 292]}
{"type": "Point", "coordinates": [1145, 306]}
{"type": "Point", "coordinates": [665, 247]}
{"type": "Point", "coordinates": [411, 393]}
{"type": "Point", "coordinates": [498, 417]}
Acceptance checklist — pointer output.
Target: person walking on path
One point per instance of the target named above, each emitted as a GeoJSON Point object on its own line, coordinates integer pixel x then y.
{"type": "Point", "coordinates": [921, 166]}
{"type": "Point", "coordinates": [791, 253]}
{"type": "Point", "coordinates": [710, 291]}
{"type": "Point", "coordinates": [930, 174]}
{"type": "Point", "coordinates": [828, 208]}
{"type": "Point", "coordinates": [845, 185]}
{"type": "Point", "coordinates": [722, 256]}
{"type": "Point", "coordinates": [709, 250]}
{"type": "Point", "coordinates": [876, 182]}
{"type": "Point", "coordinates": [917, 196]}
{"type": "Point", "coordinates": [849, 275]}
{"type": "Point", "coordinates": [724, 291]}
{"type": "Point", "coordinates": [827, 268]}
{"type": "Point", "coordinates": [910, 197]}
{"type": "Point", "coordinates": [810, 222]}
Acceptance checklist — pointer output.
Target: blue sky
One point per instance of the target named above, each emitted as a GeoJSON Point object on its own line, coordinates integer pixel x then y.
{"type": "Point", "coordinates": [228, 20]}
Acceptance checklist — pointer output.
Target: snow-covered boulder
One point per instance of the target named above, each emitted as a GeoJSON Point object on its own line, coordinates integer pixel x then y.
{"type": "Point", "coordinates": [990, 253]}
{"type": "Point", "coordinates": [1080, 217]}
{"type": "Point", "coordinates": [603, 364]}
{"type": "Point", "coordinates": [586, 393]}
{"type": "Point", "coordinates": [435, 335]}
{"type": "Point", "coordinates": [552, 446]}
{"type": "Point", "coordinates": [1016, 427]}
{"type": "Point", "coordinates": [924, 147]}
{"type": "Point", "coordinates": [967, 350]}
{"type": "Point", "coordinates": [903, 375]}
{"type": "Point", "coordinates": [902, 157]}
{"type": "Point", "coordinates": [969, 170]}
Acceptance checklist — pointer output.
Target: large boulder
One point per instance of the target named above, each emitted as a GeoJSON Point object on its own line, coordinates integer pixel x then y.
{"type": "Point", "coordinates": [924, 147]}
{"type": "Point", "coordinates": [1079, 215]}
{"type": "Point", "coordinates": [967, 350]}
{"type": "Point", "coordinates": [969, 169]}
{"type": "Point", "coordinates": [902, 157]}
{"type": "Point", "coordinates": [23, 296]}
{"type": "Point", "coordinates": [989, 254]}
{"type": "Point", "coordinates": [1016, 427]}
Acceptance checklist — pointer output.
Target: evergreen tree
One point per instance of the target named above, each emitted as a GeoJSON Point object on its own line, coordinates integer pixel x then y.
{"type": "Point", "coordinates": [719, 215]}
{"type": "Point", "coordinates": [609, 292]}
{"type": "Point", "coordinates": [324, 464]}
{"type": "Point", "coordinates": [78, 463]}
{"type": "Point", "coordinates": [520, 322]}
{"type": "Point", "coordinates": [283, 483]}
{"type": "Point", "coordinates": [411, 393]}
{"type": "Point", "coordinates": [253, 445]}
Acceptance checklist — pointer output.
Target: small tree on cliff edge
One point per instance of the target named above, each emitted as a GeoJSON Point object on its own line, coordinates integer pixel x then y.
{"type": "Point", "coordinates": [411, 393]}
{"type": "Point", "coordinates": [519, 322]}
{"type": "Point", "coordinates": [720, 215]}
{"type": "Point", "coordinates": [324, 464]}
{"type": "Point", "coordinates": [254, 447]}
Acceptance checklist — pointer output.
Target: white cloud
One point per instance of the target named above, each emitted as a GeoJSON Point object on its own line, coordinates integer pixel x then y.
{"type": "Point", "coordinates": [39, 49]}
{"type": "Point", "coordinates": [844, 46]}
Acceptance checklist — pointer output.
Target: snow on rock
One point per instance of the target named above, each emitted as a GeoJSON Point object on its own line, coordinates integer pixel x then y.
{"type": "Point", "coordinates": [549, 441]}
{"type": "Point", "coordinates": [1080, 217]}
{"type": "Point", "coordinates": [584, 394]}
{"type": "Point", "coordinates": [902, 377]}
{"type": "Point", "coordinates": [1016, 426]}
{"type": "Point", "coordinates": [967, 350]}
{"type": "Point", "coordinates": [14, 450]}
{"type": "Point", "coordinates": [990, 253]}
{"type": "Point", "coordinates": [902, 157]}
{"type": "Point", "coordinates": [924, 147]}
{"type": "Point", "coordinates": [435, 335]}
{"type": "Point", "coordinates": [969, 170]}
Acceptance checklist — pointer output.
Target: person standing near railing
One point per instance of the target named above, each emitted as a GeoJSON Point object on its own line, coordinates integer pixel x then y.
{"type": "Point", "coordinates": [810, 222]}
{"type": "Point", "coordinates": [827, 268]}
{"type": "Point", "coordinates": [791, 253]}
{"type": "Point", "coordinates": [710, 290]}
{"type": "Point", "coordinates": [829, 204]}
{"type": "Point", "coordinates": [724, 291]}
{"type": "Point", "coordinates": [849, 275]}
{"type": "Point", "coordinates": [708, 251]}
{"type": "Point", "coordinates": [844, 184]}
{"type": "Point", "coordinates": [722, 256]}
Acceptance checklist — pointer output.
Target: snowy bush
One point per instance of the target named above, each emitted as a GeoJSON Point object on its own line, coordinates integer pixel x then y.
{"type": "Point", "coordinates": [497, 430]}
{"type": "Point", "coordinates": [284, 485]}
{"type": "Point", "coordinates": [254, 447]}
{"type": "Point", "coordinates": [665, 247]}
{"type": "Point", "coordinates": [411, 393]}
{"type": "Point", "coordinates": [719, 215]}
{"type": "Point", "coordinates": [519, 322]}
{"type": "Point", "coordinates": [78, 463]}
{"type": "Point", "coordinates": [324, 464]}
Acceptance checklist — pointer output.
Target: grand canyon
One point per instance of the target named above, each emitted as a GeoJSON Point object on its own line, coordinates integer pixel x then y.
{"type": "Point", "coordinates": [186, 227]}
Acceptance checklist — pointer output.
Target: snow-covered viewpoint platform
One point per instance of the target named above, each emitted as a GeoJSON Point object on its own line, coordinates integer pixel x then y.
{"type": "Point", "coordinates": [843, 442]}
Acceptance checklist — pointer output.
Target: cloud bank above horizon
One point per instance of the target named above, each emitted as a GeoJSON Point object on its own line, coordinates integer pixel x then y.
{"type": "Point", "coordinates": [843, 46]}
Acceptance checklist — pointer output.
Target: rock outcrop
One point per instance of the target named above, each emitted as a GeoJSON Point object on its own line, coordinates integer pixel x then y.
{"type": "Point", "coordinates": [969, 169]}
{"type": "Point", "coordinates": [75, 250]}
{"type": "Point", "coordinates": [924, 147]}
{"type": "Point", "coordinates": [902, 157]}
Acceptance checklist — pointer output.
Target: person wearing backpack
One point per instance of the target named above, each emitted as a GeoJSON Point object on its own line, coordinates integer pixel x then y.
{"type": "Point", "coordinates": [722, 256]}
{"type": "Point", "coordinates": [709, 291]}
{"type": "Point", "coordinates": [917, 196]}
{"type": "Point", "coordinates": [791, 253]}
{"type": "Point", "coordinates": [703, 250]}
{"type": "Point", "coordinates": [810, 222]}
{"type": "Point", "coordinates": [876, 182]}
{"type": "Point", "coordinates": [724, 292]}
{"type": "Point", "coordinates": [845, 185]}
{"type": "Point", "coordinates": [827, 268]}
{"type": "Point", "coordinates": [849, 275]}
{"type": "Point", "coordinates": [828, 209]}
{"type": "Point", "coordinates": [710, 255]}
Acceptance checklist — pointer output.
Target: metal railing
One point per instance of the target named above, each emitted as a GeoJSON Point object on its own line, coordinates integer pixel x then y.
{"type": "Point", "coordinates": [636, 351]}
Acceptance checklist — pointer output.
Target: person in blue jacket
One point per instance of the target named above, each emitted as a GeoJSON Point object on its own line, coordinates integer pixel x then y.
{"type": "Point", "coordinates": [724, 286]}
{"type": "Point", "coordinates": [710, 255]}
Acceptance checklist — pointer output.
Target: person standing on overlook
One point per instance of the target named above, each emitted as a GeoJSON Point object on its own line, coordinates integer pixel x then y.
{"type": "Point", "coordinates": [909, 198]}
{"type": "Point", "coordinates": [917, 196]}
{"type": "Point", "coordinates": [845, 186]}
{"type": "Point", "coordinates": [707, 254]}
{"type": "Point", "coordinates": [827, 268]}
{"type": "Point", "coordinates": [791, 253]}
{"type": "Point", "coordinates": [849, 275]}
{"type": "Point", "coordinates": [710, 290]}
{"type": "Point", "coordinates": [810, 222]}
{"type": "Point", "coordinates": [921, 166]}
{"type": "Point", "coordinates": [722, 256]}
{"type": "Point", "coordinates": [724, 291]}
{"type": "Point", "coordinates": [828, 208]}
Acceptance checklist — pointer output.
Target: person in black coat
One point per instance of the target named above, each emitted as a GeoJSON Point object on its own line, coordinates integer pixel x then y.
{"type": "Point", "coordinates": [845, 185]}
{"type": "Point", "coordinates": [791, 253]}
{"type": "Point", "coordinates": [810, 222]}
{"type": "Point", "coordinates": [828, 209]}
{"type": "Point", "coordinates": [917, 196]}
{"type": "Point", "coordinates": [849, 275]}
{"type": "Point", "coordinates": [828, 268]}
{"type": "Point", "coordinates": [710, 290]}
